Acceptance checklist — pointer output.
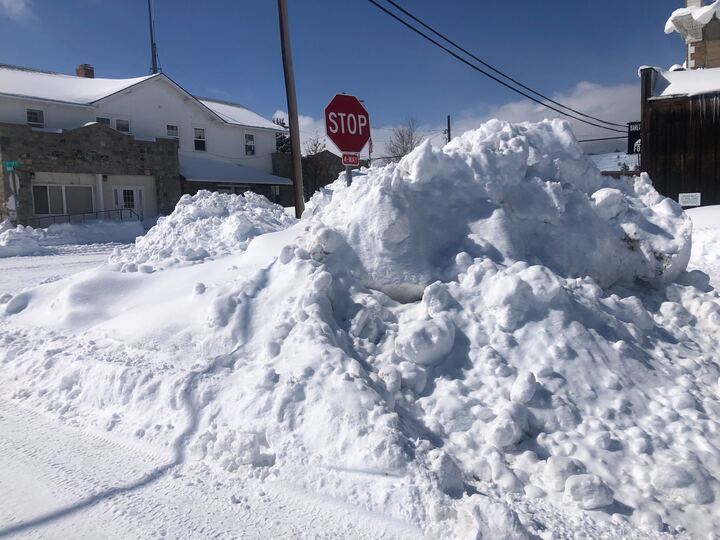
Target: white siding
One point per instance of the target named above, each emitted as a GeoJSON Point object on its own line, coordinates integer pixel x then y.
{"type": "Point", "coordinates": [154, 104]}
{"type": "Point", "coordinates": [149, 107]}
{"type": "Point", "coordinates": [57, 115]}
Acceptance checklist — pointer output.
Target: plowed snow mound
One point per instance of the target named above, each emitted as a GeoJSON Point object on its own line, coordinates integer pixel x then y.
{"type": "Point", "coordinates": [549, 365]}
{"type": "Point", "coordinates": [522, 192]}
{"type": "Point", "coordinates": [205, 225]}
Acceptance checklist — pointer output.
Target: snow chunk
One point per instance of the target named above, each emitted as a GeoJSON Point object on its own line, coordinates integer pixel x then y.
{"type": "Point", "coordinates": [425, 342]}
{"type": "Point", "coordinates": [558, 469]}
{"type": "Point", "coordinates": [682, 485]}
{"type": "Point", "coordinates": [480, 519]}
{"type": "Point", "coordinates": [523, 389]}
{"type": "Point", "coordinates": [588, 491]}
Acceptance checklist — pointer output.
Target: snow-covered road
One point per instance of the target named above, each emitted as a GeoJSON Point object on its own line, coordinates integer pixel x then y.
{"type": "Point", "coordinates": [17, 273]}
{"type": "Point", "coordinates": [60, 481]}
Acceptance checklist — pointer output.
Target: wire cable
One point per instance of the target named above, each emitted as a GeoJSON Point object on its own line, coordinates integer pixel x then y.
{"type": "Point", "coordinates": [494, 69]}
{"type": "Point", "coordinates": [489, 75]}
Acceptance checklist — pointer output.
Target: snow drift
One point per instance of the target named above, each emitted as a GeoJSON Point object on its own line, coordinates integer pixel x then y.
{"type": "Point", "coordinates": [490, 339]}
{"type": "Point", "coordinates": [25, 240]}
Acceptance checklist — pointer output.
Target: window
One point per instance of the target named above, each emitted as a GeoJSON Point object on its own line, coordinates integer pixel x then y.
{"type": "Point", "coordinates": [35, 118]}
{"type": "Point", "coordinates": [200, 139]}
{"type": "Point", "coordinates": [249, 144]}
{"type": "Point", "coordinates": [103, 121]}
{"type": "Point", "coordinates": [173, 132]}
{"type": "Point", "coordinates": [122, 125]}
{"type": "Point", "coordinates": [48, 200]}
{"type": "Point", "coordinates": [78, 199]}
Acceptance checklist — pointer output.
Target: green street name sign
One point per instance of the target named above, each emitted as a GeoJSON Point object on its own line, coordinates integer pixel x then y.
{"type": "Point", "coordinates": [10, 165]}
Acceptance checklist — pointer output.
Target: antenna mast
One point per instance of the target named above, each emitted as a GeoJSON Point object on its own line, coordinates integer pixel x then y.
{"type": "Point", "coordinates": [153, 47]}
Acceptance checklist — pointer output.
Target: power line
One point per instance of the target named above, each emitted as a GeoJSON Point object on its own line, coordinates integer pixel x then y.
{"type": "Point", "coordinates": [603, 139]}
{"type": "Point", "coordinates": [489, 75]}
{"type": "Point", "coordinates": [492, 68]}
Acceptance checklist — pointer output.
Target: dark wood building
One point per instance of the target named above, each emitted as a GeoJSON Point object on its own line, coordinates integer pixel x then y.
{"type": "Point", "coordinates": [680, 133]}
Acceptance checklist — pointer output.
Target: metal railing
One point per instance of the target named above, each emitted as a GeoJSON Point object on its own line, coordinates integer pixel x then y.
{"type": "Point", "coordinates": [118, 214]}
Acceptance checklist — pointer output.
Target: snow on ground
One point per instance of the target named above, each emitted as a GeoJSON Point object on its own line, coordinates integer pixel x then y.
{"type": "Point", "coordinates": [706, 241]}
{"type": "Point", "coordinates": [25, 240]}
{"type": "Point", "coordinates": [485, 340]}
{"type": "Point", "coordinates": [614, 161]}
{"type": "Point", "coordinates": [18, 273]}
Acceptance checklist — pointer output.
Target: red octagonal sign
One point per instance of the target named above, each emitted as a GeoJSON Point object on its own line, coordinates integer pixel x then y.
{"type": "Point", "coordinates": [347, 123]}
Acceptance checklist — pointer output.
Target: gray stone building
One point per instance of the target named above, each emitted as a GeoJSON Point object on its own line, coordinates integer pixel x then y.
{"type": "Point", "coordinates": [76, 145]}
{"type": "Point", "coordinates": [91, 171]}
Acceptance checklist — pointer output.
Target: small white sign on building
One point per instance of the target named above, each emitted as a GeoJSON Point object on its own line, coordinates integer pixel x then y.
{"type": "Point", "coordinates": [689, 199]}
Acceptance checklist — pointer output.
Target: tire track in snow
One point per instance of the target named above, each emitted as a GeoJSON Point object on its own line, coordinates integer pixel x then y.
{"type": "Point", "coordinates": [179, 447]}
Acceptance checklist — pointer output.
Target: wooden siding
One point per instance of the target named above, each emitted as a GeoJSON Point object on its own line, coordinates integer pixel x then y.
{"type": "Point", "coordinates": [681, 144]}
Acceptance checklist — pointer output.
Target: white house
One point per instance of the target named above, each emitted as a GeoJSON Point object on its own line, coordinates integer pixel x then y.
{"type": "Point", "coordinates": [221, 145]}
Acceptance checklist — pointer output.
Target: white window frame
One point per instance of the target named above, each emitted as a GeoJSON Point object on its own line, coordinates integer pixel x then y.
{"type": "Point", "coordinates": [196, 139]}
{"type": "Point", "coordinates": [64, 199]}
{"type": "Point", "coordinates": [167, 132]}
{"type": "Point", "coordinates": [108, 123]}
{"type": "Point", "coordinates": [139, 201]}
{"type": "Point", "coordinates": [35, 124]}
{"type": "Point", "coordinates": [129, 130]}
{"type": "Point", "coordinates": [250, 145]}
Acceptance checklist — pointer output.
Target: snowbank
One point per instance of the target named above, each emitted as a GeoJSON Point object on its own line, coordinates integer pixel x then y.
{"type": "Point", "coordinates": [22, 240]}
{"type": "Point", "coordinates": [203, 226]}
{"type": "Point", "coordinates": [507, 193]}
{"type": "Point", "coordinates": [488, 340]}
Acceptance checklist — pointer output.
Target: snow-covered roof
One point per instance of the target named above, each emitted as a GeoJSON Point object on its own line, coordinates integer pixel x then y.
{"type": "Point", "coordinates": [48, 86]}
{"type": "Point", "coordinates": [205, 169]}
{"type": "Point", "coordinates": [234, 113]}
{"type": "Point", "coordinates": [690, 82]}
{"type": "Point", "coordinates": [689, 21]}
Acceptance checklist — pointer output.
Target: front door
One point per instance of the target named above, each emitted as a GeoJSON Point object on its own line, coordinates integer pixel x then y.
{"type": "Point", "coordinates": [129, 198]}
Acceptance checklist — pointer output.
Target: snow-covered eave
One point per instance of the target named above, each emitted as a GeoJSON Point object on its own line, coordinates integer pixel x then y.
{"type": "Point", "coordinates": [700, 15]}
{"type": "Point", "coordinates": [234, 122]}
{"type": "Point", "coordinates": [46, 100]}
{"type": "Point", "coordinates": [262, 128]}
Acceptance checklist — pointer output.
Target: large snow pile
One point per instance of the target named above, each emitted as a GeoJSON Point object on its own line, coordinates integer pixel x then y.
{"type": "Point", "coordinates": [202, 226]}
{"type": "Point", "coordinates": [488, 340]}
{"type": "Point", "coordinates": [25, 240]}
{"type": "Point", "coordinates": [508, 193]}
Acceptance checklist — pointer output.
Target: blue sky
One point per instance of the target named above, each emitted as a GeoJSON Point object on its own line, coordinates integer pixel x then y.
{"type": "Point", "coordinates": [230, 49]}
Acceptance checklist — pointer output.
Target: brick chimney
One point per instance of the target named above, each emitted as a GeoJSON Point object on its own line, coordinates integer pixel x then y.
{"type": "Point", "coordinates": [85, 70]}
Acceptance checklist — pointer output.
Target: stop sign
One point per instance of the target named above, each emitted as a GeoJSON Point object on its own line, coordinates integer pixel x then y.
{"type": "Point", "coordinates": [347, 123]}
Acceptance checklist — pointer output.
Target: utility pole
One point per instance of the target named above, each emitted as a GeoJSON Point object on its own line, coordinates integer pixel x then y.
{"type": "Point", "coordinates": [153, 47]}
{"type": "Point", "coordinates": [448, 129]}
{"type": "Point", "coordinates": [292, 108]}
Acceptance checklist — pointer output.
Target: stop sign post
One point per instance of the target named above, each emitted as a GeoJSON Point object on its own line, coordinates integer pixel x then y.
{"type": "Point", "coordinates": [347, 125]}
